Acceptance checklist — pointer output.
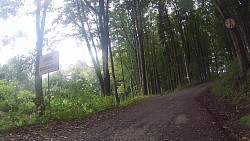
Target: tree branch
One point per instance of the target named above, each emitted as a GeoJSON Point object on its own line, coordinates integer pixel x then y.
{"type": "Point", "coordinates": [91, 7]}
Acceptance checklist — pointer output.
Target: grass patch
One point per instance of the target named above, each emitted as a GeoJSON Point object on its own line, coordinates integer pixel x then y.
{"type": "Point", "coordinates": [132, 101]}
{"type": "Point", "coordinates": [246, 120]}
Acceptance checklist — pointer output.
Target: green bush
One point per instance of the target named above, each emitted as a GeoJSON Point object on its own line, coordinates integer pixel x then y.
{"type": "Point", "coordinates": [16, 107]}
{"type": "Point", "coordinates": [132, 100]}
{"type": "Point", "coordinates": [84, 105]}
{"type": "Point", "coordinates": [69, 100]}
{"type": "Point", "coordinates": [246, 120]}
{"type": "Point", "coordinates": [233, 85]}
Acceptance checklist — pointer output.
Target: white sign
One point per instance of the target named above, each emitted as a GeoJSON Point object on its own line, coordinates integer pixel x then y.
{"type": "Point", "coordinates": [229, 23]}
{"type": "Point", "coordinates": [49, 63]}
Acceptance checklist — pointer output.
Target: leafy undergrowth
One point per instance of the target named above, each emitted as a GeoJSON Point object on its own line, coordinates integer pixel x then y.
{"type": "Point", "coordinates": [234, 87]}
{"type": "Point", "coordinates": [246, 120]}
{"type": "Point", "coordinates": [132, 100]}
{"type": "Point", "coordinates": [67, 109]}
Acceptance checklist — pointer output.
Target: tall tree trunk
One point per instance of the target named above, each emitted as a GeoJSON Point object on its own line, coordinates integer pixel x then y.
{"type": "Point", "coordinates": [103, 25]}
{"type": "Point", "coordinates": [103, 20]}
{"type": "Point", "coordinates": [40, 24]}
{"type": "Point", "coordinates": [83, 19]}
{"type": "Point", "coordinates": [241, 54]}
{"type": "Point", "coordinates": [113, 74]}
{"type": "Point", "coordinates": [138, 18]}
{"type": "Point", "coordinates": [121, 63]}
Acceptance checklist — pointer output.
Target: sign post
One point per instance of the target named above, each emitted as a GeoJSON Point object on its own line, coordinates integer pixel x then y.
{"type": "Point", "coordinates": [49, 63]}
{"type": "Point", "coordinates": [49, 96]}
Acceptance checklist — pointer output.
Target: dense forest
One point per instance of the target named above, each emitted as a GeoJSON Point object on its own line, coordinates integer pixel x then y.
{"type": "Point", "coordinates": [147, 47]}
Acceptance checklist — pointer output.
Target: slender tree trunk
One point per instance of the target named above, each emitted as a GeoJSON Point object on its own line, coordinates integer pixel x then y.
{"type": "Point", "coordinates": [95, 63]}
{"type": "Point", "coordinates": [121, 63]}
{"type": "Point", "coordinates": [113, 75]}
{"type": "Point", "coordinates": [138, 18]}
{"type": "Point", "coordinates": [104, 37]}
{"type": "Point", "coordinates": [40, 24]}
{"type": "Point", "coordinates": [136, 44]}
{"type": "Point", "coordinates": [241, 54]}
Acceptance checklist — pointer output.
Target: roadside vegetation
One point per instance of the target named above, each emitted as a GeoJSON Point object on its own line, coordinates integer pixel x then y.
{"type": "Point", "coordinates": [246, 120]}
{"type": "Point", "coordinates": [234, 86]}
{"type": "Point", "coordinates": [73, 94]}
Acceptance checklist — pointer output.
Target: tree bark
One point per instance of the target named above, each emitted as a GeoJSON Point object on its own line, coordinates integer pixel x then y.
{"type": "Point", "coordinates": [241, 54]}
{"type": "Point", "coordinates": [103, 20]}
{"type": "Point", "coordinates": [113, 75]}
{"type": "Point", "coordinates": [139, 27]}
{"type": "Point", "coordinates": [95, 63]}
{"type": "Point", "coordinates": [40, 25]}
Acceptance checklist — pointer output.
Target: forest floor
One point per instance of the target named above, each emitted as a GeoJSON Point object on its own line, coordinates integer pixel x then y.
{"type": "Point", "coordinates": [191, 114]}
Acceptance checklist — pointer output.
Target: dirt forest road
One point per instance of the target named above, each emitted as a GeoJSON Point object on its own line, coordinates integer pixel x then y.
{"type": "Point", "coordinates": [172, 117]}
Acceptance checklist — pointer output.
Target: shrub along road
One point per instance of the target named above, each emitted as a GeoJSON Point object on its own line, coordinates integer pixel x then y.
{"type": "Point", "coordinates": [176, 116]}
